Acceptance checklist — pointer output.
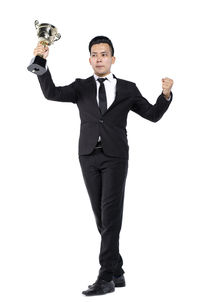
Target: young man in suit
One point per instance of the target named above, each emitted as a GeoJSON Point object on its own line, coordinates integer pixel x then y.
{"type": "Point", "coordinates": [104, 102]}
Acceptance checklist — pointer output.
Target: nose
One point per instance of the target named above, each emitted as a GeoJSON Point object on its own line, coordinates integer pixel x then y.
{"type": "Point", "coordinates": [98, 58]}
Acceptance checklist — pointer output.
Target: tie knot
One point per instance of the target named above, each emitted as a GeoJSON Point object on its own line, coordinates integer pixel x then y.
{"type": "Point", "coordinates": [101, 80]}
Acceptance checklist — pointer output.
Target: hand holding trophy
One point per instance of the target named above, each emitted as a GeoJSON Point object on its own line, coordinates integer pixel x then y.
{"type": "Point", "coordinates": [41, 50]}
{"type": "Point", "coordinates": [47, 34]}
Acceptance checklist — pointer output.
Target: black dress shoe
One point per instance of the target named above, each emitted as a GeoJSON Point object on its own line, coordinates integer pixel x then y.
{"type": "Point", "coordinates": [100, 287]}
{"type": "Point", "coordinates": [118, 281]}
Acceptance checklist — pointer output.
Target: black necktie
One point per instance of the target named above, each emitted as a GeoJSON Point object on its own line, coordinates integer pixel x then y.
{"type": "Point", "coordinates": [102, 95]}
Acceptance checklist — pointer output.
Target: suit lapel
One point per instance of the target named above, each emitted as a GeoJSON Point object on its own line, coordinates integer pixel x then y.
{"type": "Point", "coordinates": [92, 89]}
{"type": "Point", "coordinates": [117, 96]}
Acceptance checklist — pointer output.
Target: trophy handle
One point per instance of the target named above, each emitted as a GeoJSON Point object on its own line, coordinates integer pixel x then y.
{"type": "Point", "coordinates": [58, 36]}
{"type": "Point", "coordinates": [36, 24]}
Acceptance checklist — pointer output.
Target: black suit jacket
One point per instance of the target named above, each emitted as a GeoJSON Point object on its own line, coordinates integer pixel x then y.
{"type": "Point", "coordinates": [111, 126]}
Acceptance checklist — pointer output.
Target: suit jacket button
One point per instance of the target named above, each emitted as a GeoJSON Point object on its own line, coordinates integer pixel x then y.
{"type": "Point", "coordinates": [101, 121]}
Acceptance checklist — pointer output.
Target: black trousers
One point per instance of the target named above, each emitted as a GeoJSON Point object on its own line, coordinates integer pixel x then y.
{"type": "Point", "coordinates": [105, 178]}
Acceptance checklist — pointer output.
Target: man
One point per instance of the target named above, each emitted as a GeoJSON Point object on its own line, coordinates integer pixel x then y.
{"type": "Point", "coordinates": [104, 102]}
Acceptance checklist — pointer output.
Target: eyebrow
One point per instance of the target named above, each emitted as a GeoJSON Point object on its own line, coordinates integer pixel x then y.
{"type": "Point", "coordinates": [100, 52]}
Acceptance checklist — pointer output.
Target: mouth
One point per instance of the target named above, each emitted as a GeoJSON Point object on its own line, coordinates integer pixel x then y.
{"type": "Point", "coordinates": [99, 66]}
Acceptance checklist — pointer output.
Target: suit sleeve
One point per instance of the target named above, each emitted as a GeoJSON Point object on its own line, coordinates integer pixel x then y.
{"type": "Point", "coordinates": [66, 93]}
{"type": "Point", "coordinates": [148, 111]}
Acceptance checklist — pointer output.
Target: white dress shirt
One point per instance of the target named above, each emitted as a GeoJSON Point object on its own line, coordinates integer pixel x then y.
{"type": "Point", "coordinates": [110, 88]}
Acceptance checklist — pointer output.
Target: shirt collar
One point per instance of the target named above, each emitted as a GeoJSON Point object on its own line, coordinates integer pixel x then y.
{"type": "Point", "coordinates": [109, 77]}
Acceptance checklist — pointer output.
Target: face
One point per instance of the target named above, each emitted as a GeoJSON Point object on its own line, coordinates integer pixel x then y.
{"type": "Point", "coordinates": [101, 59]}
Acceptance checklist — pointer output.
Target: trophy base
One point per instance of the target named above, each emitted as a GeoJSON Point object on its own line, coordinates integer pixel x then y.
{"type": "Point", "coordinates": [37, 65]}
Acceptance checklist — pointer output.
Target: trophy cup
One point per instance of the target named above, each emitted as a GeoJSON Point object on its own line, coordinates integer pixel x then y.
{"type": "Point", "coordinates": [47, 34]}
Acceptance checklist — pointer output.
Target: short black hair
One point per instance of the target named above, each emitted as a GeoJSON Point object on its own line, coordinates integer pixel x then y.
{"type": "Point", "coordinates": [101, 39]}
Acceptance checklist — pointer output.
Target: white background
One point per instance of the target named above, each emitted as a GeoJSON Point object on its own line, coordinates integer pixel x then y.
{"type": "Point", "coordinates": [49, 243]}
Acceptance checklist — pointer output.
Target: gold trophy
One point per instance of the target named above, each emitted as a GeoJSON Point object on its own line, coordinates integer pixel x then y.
{"type": "Point", "coordinates": [47, 34]}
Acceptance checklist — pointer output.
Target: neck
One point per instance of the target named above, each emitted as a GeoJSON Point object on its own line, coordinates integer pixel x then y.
{"type": "Point", "coordinates": [102, 75]}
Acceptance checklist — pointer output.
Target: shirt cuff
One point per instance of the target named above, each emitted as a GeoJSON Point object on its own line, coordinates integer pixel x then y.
{"type": "Point", "coordinates": [170, 98]}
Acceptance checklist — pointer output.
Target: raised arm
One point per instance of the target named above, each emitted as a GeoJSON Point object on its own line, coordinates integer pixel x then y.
{"type": "Point", "coordinates": [148, 111]}
{"type": "Point", "coordinates": [66, 93]}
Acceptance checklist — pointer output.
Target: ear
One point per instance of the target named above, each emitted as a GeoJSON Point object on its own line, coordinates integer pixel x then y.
{"type": "Point", "coordinates": [90, 61]}
{"type": "Point", "coordinates": [113, 59]}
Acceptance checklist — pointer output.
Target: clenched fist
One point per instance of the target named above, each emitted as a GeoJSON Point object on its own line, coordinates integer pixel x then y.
{"type": "Point", "coordinates": [41, 50]}
{"type": "Point", "coordinates": [167, 84]}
